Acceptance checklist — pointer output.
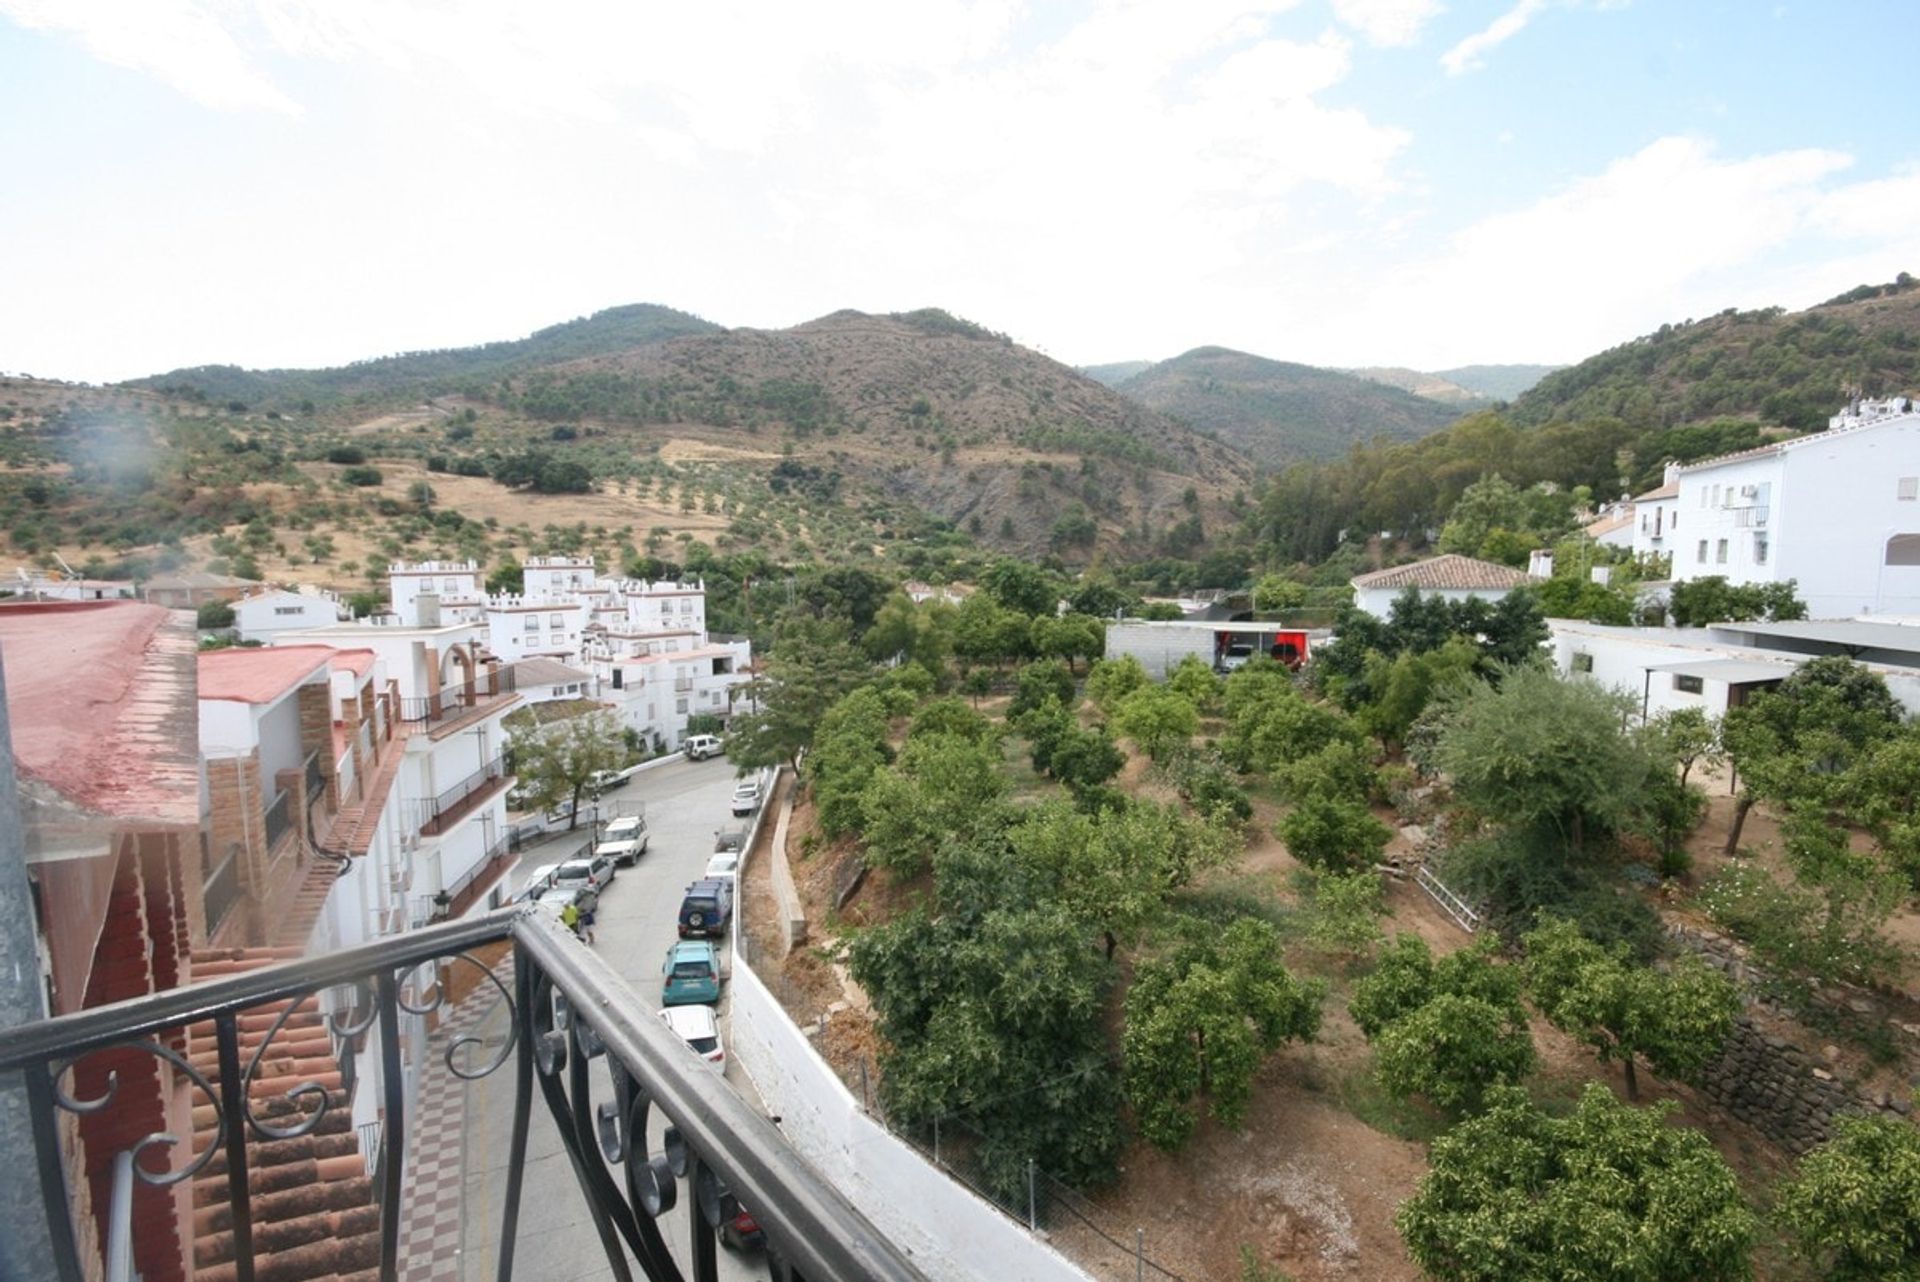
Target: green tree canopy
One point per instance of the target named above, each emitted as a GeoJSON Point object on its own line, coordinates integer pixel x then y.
{"type": "Point", "coordinates": [1200, 1022]}
{"type": "Point", "coordinates": [1676, 1020]}
{"type": "Point", "coordinates": [810, 666]}
{"type": "Point", "coordinates": [556, 761]}
{"type": "Point", "coordinates": [1546, 755]}
{"type": "Point", "coordinates": [1853, 1206]}
{"type": "Point", "coordinates": [1611, 1191]}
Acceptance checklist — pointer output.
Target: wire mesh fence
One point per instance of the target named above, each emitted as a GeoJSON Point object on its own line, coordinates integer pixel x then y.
{"type": "Point", "coordinates": [1030, 1196]}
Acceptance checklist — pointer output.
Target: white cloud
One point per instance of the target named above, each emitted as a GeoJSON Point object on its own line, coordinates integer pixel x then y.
{"type": "Point", "coordinates": [1388, 22]}
{"type": "Point", "coordinates": [1469, 54]}
{"type": "Point", "coordinates": [182, 42]}
{"type": "Point", "coordinates": [1668, 232]}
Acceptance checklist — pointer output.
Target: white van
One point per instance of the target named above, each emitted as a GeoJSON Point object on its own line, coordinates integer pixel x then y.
{"type": "Point", "coordinates": [701, 746]}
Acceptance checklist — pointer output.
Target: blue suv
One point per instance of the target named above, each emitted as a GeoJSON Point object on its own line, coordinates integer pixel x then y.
{"type": "Point", "coordinates": [707, 909]}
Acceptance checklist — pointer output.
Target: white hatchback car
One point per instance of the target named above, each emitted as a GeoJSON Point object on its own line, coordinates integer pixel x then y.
{"type": "Point", "coordinates": [698, 1028]}
{"type": "Point", "coordinates": [596, 870]}
{"type": "Point", "coordinates": [724, 864]}
{"type": "Point", "coordinates": [746, 797]}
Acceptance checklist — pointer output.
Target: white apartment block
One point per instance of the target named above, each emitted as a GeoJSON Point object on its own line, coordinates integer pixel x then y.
{"type": "Point", "coordinates": [431, 591]}
{"type": "Point", "coordinates": [1838, 512]}
{"type": "Point", "coordinates": [643, 644]}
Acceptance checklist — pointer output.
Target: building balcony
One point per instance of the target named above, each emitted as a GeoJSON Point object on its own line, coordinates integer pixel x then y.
{"type": "Point", "coordinates": [290, 1180]}
{"type": "Point", "coordinates": [439, 814]}
{"type": "Point", "coordinates": [446, 710]}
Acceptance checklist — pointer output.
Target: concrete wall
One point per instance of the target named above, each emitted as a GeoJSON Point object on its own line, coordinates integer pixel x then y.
{"type": "Point", "coordinates": [951, 1233]}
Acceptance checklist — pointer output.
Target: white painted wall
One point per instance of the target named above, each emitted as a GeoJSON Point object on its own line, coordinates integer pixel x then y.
{"type": "Point", "coordinates": [1830, 505]}
{"type": "Point", "coordinates": [258, 618]}
{"type": "Point", "coordinates": [1379, 601]}
{"type": "Point", "coordinates": [949, 1232]}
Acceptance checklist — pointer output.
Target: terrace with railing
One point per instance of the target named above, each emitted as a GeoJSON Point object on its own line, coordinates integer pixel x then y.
{"type": "Point", "coordinates": [649, 1131]}
{"type": "Point", "coordinates": [439, 710]}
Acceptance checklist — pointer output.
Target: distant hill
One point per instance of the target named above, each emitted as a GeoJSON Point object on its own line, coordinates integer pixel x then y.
{"type": "Point", "coordinates": [1497, 382]}
{"type": "Point", "coordinates": [1276, 412]}
{"type": "Point", "coordinates": [613, 330]}
{"type": "Point", "coordinates": [1430, 387]}
{"type": "Point", "coordinates": [1791, 368]}
{"type": "Point", "coordinates": [928, 409]}
{"type": "Point", "coordinates": [1115, 374]}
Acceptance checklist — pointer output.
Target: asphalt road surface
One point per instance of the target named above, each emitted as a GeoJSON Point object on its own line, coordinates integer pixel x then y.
{"type": "Point", "coordinates": [636, 924]}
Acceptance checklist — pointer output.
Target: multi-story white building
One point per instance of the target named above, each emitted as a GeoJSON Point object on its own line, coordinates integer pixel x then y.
{"type": "Point", "coordinates": [433, 591]}
{"type": "Point", "coordinates": [530, 627]}
{"type": "Point", "coordinates": [1656, 517]}
{"type": "Point", "coordinates": [643, 644]}
{"type": "Point", "coordinates": [1838, 512]}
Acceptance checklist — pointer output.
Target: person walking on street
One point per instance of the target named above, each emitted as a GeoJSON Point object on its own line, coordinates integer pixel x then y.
{"type": "Point", "coordinates": [570, 918]}
{"type": "Point", "coordinates": [586, 920]}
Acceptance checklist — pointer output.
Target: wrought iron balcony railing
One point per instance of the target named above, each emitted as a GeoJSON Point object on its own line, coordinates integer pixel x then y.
{"type": "Point", "coordinates": [571, 1018]}
{"type": "Point", "coordinates": [279, 818]}
{"type": "Point", "coordinates": [440, 813]}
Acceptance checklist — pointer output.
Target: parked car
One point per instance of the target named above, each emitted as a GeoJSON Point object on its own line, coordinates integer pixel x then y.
{"type": "Point", "coordinates": [539, 879]}
{"type": "Point", "coordinates": [701, 746]}
{"type": "Point", "coordinates": [746, 797]}
{"type": "Point", "coordinates": [596, 868]}
{"type": "Point", "coordinates": [725, 864]}
{"type": "Point", "coordinates": [625, 840]}
{"type": "Point", "coordinates": [698, 1028]}
{"type": "Point", "coordinates": [692, 973]}
{"type": "Point", "coordinates": [582, 895]}
{"type": "Point", "coordinates": [741, 1232]}
{"type": "Point", "coordinates": [607, 780]}
{"type": "Point", "coordinates": [706, 910]}
{"type": "Point", "coordinates": [734, 838]}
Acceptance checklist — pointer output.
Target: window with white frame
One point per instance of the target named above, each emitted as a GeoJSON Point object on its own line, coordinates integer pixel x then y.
{"type": "Point", "coordinates": [1720, 552]}
{"type": "Point", "coordinates": [289, 609]}
{"type": "Point", "coordinates": [1686, 684]}
{"type": "Point", "coordinates": [1908, 489]}
{"type": "Point", "coordinates": [1760, 549]}
{"type": "Point", "coordinates": [1701, 556]}
{"type": "Point", "coordinates": [533, 623]}
{"type": "Point", "coordinates": [680, 705]}
{"type": "Point", "coordinates": [556, 621]}
{"type": "Point", "coordinates": [1583, 663]}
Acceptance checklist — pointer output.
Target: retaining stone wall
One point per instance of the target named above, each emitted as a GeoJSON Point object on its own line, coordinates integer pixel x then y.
{"type": "Point", "coordinates": [1785, 1092]}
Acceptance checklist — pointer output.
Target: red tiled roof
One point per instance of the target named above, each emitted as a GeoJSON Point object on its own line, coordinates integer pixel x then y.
{"type": "Point", "coordinates": [262, 675]}
{"type": "Point", "coordinates": [100, 697]}
{"type": "Point", "coordinates": [358, 662]}
{"type": "Point", "coordinates": [1671, 490]}
{"type": "Point", "coordinates": [314, 1213]}
{"type": "Point", "coordinates": [1449, 571]}
{"type": "Point", "coordinates": [1608, 524]}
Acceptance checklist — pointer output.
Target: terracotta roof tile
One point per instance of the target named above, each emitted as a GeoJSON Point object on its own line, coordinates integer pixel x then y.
{"type": "Point", "coordinates": [1449, 571]}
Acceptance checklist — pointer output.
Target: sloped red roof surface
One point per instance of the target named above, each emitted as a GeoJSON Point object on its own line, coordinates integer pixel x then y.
{"type": "Point", "coordinates": [259, 675]}
{"type": "Point", "coordinates": [1449, 571]}
{"type": "Point", "coordinates": [100, 700]}
{"type": "Point", "coordinates": [358, 662]}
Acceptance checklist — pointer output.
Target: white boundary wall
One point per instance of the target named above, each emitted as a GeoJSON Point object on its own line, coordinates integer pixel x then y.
{"type": "Point", "coordinates": [951, 1234]}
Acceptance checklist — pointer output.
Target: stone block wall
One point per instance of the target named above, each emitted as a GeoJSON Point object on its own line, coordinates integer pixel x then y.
{"type": "Point", "coordinates": [1787, 1093]}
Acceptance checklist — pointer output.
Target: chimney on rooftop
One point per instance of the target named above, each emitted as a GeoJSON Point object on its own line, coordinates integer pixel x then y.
{"type": "Point", "coordinates": [1540, 563]}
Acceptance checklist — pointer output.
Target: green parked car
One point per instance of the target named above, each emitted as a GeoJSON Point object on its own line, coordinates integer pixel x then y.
{"type": "Point", "coordinates": [693, 974]}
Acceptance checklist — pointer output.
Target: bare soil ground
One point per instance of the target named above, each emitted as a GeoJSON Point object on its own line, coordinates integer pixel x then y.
{"type": "Point", "coordinates": [1312, 1182]}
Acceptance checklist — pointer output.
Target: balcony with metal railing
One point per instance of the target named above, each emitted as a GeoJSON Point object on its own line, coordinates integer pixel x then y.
{"type": "Point", "coordinates": [266, 1061]}
{"type": "Point", "coordinates": [442, 708]}
{"type": "Point", "coordinates": [441, 813]}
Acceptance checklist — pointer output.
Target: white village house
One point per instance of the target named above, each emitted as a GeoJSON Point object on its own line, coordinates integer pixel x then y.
{"type": "Point", "coordinates": [1837, 511]}
{"type": "Point", "coordinates": [260, 616]}
{"type": "Point", "coordinates": [1451, 577]}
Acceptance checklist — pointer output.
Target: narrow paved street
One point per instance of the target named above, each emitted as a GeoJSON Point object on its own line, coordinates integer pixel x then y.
{"type": "Point", "coordinates": [685, 803]}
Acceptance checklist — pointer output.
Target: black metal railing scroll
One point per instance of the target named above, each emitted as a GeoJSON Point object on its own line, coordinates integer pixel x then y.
{"type": "Point", "coordinates": [600, 1061]}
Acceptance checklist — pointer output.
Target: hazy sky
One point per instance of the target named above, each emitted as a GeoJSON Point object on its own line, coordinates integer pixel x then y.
{"type": "Point", "coordinates": [1342, 182]}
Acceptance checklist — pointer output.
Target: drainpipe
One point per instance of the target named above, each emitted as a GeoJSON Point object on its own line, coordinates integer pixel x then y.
{"type": "Point", "coordinates": [26, 1244]}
